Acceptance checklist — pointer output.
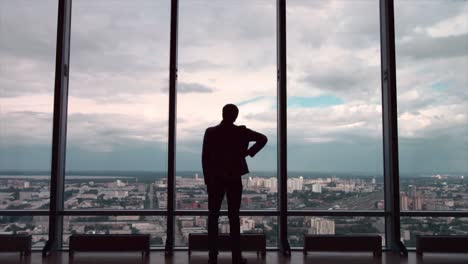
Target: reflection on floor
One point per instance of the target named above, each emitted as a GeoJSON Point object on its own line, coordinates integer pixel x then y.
{"type": "Point", "coordinates": [271, 258]}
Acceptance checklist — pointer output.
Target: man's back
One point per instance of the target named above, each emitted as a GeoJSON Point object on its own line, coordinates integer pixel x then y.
{"type": "Point", "coordinates": [225, 147]}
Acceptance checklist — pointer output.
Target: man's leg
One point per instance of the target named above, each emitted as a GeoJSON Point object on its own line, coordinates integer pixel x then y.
{"type": "Point", "coordinates": [234, 196]}
{"type": "Point", "coordinates": [215, 198]}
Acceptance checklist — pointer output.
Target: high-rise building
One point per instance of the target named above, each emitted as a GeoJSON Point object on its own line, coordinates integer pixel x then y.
{"type": "Point", "coordinates": [317, 188]}
{"type": "Point", "coordinates": [26, 184]}
{"type": "Point", "coordinates": [417, 203]}
{"type": "Point", "coordinates": [412, 191]}
{"type": "Point", "coordinates": [249, 182]}
{"type": "Point", "coordinates": [404, 201]}
{"type": "Point", "coordinates": [247, 224]}
{"type": "Point", "coordinates": [295, 184]}
{"type": "Point", "coordinates": [322, 226]}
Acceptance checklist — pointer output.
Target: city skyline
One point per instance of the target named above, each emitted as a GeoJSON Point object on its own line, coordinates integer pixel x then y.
{"type": "Point", "coordinates": [437, 192]}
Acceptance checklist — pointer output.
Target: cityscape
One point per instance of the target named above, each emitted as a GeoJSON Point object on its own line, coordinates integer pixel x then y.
{"type": "Point", "coordinates": [305, 192]}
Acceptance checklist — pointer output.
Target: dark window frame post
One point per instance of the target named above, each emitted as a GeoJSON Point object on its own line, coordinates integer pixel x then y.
{"type": "Point", "coordinates": [390, 128]}
{"type": "Point", "coordinates": [169, 247]}
{"type": "Point", "coordinates": [282, 127]}
{"type": "Point", "coordinates": [59, 133]}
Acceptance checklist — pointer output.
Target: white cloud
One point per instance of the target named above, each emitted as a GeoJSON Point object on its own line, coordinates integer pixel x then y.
{"type": "Point", "coordinates": [457, 25]}
{"type": "Point", "coordinates": [119, 71]}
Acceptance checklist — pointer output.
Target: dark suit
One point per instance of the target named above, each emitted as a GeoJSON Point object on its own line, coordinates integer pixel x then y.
{"type": "Point", "coordinates": [225, 147]}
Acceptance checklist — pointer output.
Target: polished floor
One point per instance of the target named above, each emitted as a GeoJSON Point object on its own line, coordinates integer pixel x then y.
{"type": "Point", "coordinates": [271, 258]}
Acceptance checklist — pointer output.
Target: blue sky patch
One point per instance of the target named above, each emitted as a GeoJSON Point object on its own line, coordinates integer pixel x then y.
{"type": "Point", "coordinates": [248, 101]}
{"type": "Point", "coordinates": [440, 86]}
{"type": "Point", "coordinates": [317, 101]}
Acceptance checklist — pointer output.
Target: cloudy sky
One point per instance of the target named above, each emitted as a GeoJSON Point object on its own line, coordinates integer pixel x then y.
{"type": "Point", "coordinates": [118, 90]}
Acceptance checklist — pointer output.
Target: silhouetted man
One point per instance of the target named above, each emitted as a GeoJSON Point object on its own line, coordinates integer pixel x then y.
{"type": "Point", "coordinates": [225, 147]}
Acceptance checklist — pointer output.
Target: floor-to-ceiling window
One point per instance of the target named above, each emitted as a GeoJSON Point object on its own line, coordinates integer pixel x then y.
{"type": "Point", "coordinates": [226, 54]}
{"type": "Point", "coordinates": [27, 63]}
{"type": "Point", "coordinates": [432, 62]}
{"type": "Point", "coordinates": [117, 116]}
{"type": "Point", "coordinates": [334, 115]}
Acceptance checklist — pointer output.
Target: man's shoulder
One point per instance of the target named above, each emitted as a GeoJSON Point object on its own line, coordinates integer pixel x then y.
{"type": "Point", "coordinates": [240, 129]}
{"type": "Point", "coordinates": [211, 129]}
{"type": "Point", "coordinates": [220, 128]}
{"type": "Point", "coordinates": [243, 129]}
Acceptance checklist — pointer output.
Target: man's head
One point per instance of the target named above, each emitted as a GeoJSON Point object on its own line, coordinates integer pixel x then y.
{"type": "Point", "coordinates": [230, 112]}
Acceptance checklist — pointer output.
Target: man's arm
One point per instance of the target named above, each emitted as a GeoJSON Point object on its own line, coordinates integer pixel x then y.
{"type": "Point", "coordinates": [260, 141]}
{"type": "Point", "coordinates": [206, 157]}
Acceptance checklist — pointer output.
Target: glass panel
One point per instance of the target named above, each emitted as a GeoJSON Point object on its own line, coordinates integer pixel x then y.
{"type": "Point", "coordinates": [118, 104]}
{"type": "Point", "coordinates": [123, 224]}
{"type": "Point", "coordinates": [334, 105]}
{"type": "Point", "coordinates": [227, 54]}
{"type": "Point", "coordinates": [432, 62]}
{"type": "Point", "coordinates": [249, 224]}
{"type": "Point", "coordinates": [27, 68]}
{"type": "Point", "coordinates": [298, 226]}
{"type": "Point", "coordinates": [414, 226]}
{"type": "Point", "coordinates": [37, 226]}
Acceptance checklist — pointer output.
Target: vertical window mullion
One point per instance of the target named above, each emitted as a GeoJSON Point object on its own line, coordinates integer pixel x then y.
{"type": "Point", "coordinates": [59, 131]}
{"type": "Point", "coordinates": [390, 127]}
{"type": "Point", "coordinates": [282, 136]}
{"type": "Point", "coordinates": [172, 128]}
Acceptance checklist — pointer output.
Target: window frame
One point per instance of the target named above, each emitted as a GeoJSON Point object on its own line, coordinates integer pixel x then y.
{"type": "Point", "coordinates": [392, 211]}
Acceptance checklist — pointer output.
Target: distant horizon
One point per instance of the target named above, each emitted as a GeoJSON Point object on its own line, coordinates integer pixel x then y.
{"type": "Point", "coordinates": [187, 173]}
